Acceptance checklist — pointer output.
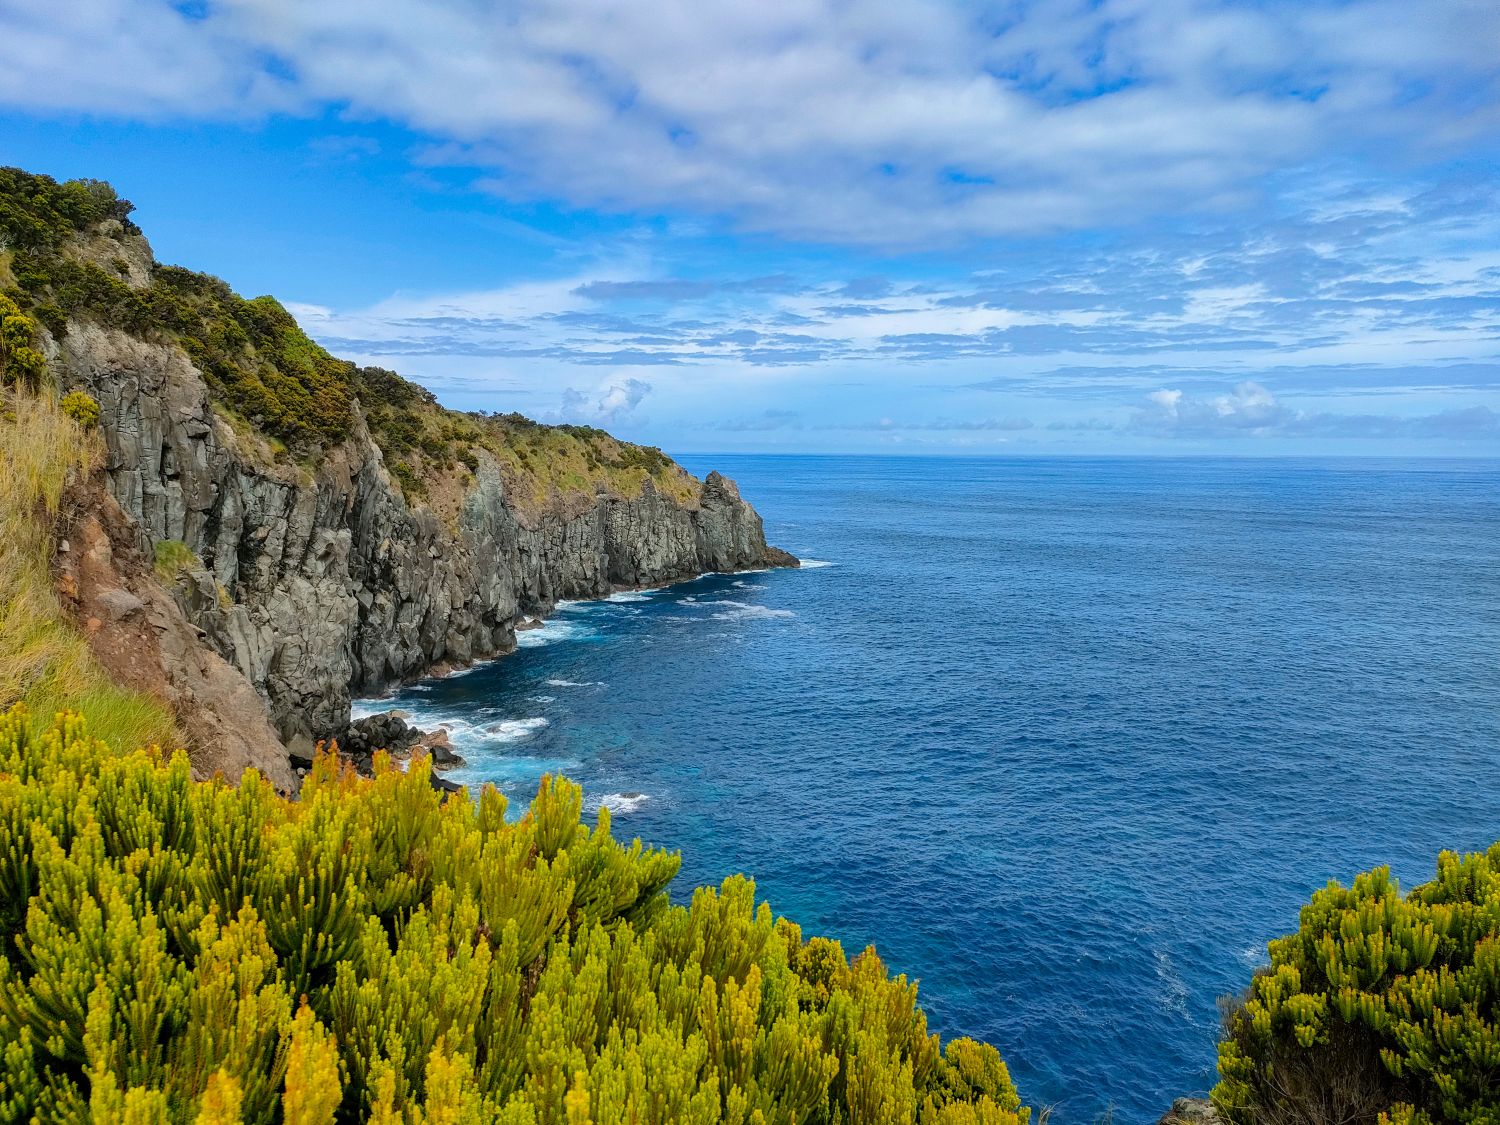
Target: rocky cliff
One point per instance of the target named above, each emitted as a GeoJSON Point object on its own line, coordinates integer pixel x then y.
{"type": "Point", "coordinates": [318, 572]}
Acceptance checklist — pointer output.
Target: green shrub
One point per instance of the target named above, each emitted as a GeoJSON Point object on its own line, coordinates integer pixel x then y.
{"type": "Point", "coordinates": [1380, 1007]}
{"type": "Point", "coordinates": [83, 408]}
{"type": "Point", "coordinates": [190, 952]}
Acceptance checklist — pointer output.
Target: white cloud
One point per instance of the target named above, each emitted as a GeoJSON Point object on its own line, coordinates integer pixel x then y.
{"type": "Point", "coordinates": [605, 404]}
{"type": "Point", "coordinates": [849, 121]}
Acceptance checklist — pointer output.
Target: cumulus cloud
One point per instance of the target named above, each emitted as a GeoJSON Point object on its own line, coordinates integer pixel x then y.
{"type": "Point", "coordinates": [1248, 408]}
{"type": "Point", "coordinates": [603, 405]}
{"type": "Point", "coordinates": [861, 122]}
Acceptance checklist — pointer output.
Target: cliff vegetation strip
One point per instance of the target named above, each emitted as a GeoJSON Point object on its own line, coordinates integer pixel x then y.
{"type": "Point", "coordinates": [71, 251]}
{"type": "Point", "coordinates": [44, 661]}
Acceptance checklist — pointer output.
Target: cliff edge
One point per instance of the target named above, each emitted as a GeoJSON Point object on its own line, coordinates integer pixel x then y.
{"type": "Point", "coordinates": [325, 529]}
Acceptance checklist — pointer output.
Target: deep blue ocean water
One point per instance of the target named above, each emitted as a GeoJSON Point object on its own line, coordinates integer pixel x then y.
{"type": "Point", "coordinates": [1068, 740]}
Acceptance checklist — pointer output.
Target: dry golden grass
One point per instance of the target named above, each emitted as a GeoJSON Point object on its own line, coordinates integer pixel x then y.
{"type": "Point", "coordinates": [44, 661]}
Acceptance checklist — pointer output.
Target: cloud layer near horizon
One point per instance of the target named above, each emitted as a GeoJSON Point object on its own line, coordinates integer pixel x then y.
{"type": "Point", "coordinates": [1349, 292]}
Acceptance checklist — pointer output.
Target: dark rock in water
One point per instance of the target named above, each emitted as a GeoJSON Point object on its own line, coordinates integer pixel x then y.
{"type": "Point", "coordinates": [775, 556]}
{"type": "Point", "coordinates": [385, 731]}
{"type": "Point", "coordinates": [440, 748]}
{"type": "Point", "coordinates": [1192, 1111]}
{"type": "Point", "coordinates": [529, 623]}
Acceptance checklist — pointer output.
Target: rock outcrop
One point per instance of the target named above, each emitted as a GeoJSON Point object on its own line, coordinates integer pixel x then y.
{"type": "Point", "coordinates": [1192, 1111]}
{"type": "Point", "coordinates": [318, 580]}
{"type": "Point", "coordinates": [138, 632]}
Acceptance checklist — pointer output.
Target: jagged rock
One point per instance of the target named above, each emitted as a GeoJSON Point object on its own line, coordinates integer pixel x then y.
{"type": "Point", "coordinates": [1192, 1111]}
{"type": "Point", "coordinates": [138, 633]}
{"type": "Point", "coordinates": [443, 785]}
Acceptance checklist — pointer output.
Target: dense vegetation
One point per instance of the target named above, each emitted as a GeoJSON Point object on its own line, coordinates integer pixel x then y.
{"type": "Point", "coordinates": [65, 253]}
{"type": "Point", "coordinates": [37, 212]}
{"type": "Point", "coordinates": [1381, 1006]}
{"type": "Point", "coordinates": [191, 952]}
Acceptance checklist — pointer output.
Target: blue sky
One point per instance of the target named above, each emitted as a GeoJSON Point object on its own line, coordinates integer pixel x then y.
{"type": "Point", "coordinates": [1156, 226]}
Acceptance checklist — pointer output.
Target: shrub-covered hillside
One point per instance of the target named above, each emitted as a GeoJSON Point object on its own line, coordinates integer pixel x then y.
{"type": "Point", "coordinates": [191, 952]}
{"type": "Point", "coordinates": [1381, 1006]}
{"type": "Point", "coordinates": [70, 250]}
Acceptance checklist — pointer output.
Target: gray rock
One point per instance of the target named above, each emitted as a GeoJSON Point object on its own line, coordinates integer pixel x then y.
{"type": "Point", "coordinates": [119, 604]}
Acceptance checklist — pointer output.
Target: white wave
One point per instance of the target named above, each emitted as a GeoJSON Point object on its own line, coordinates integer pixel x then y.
{"type": "Point", "coordinates": [628, 596]}
{"type": "Point", "coordinates": [514, 730]}
{"type": "Point", "coordinates": [542, 698]}
{"type": "Point", "coordinates": [575, 683]}
{"type": "Point", "coordinates": [815, 564]}
{"type": "Point", "coordinates": [620, 803]}
{"type": "Point", "coordinates": [748, 586]}
{"type": "Point", "coordinates": [750, 613]}
{"type": "Point", "coordinates": [552, 632]}
{"type": "Point", "coordinates": [1174, 992]}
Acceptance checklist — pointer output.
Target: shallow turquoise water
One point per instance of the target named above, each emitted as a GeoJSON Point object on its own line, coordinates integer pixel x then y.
{"type": "Point", "coordinates": [1069, 740]}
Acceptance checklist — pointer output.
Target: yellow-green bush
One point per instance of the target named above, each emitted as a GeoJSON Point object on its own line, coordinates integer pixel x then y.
{"type": "Point", "coordinates": [20, 361]}
{"type": "Point", "coordinates": [82, 407]}
{"type": "Point", "coordinates": [1380, 1007]}
{"type": "Point", "coordinates": [191, 952]}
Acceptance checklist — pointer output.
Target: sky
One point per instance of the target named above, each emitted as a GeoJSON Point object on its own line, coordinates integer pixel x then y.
{"type": "Point", "coordinates": [1098, 227]}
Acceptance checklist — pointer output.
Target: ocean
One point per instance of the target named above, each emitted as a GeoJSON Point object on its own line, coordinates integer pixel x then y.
{"type": "Point", "coordinates": [1067, 740]}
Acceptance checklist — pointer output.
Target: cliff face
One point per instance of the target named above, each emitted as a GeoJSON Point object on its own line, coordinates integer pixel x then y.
{"type": "Point", "coordinates": [318, 582]}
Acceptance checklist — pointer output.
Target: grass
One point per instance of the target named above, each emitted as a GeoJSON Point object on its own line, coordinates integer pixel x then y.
{"type": "Point", "coordinates": [173, 556]}
{"type": "Point", "coordinates": [44, 661]}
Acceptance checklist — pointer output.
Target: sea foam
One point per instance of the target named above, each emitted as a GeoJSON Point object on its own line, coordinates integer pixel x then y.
{"type": "Point", "coordinates": [620, 803]}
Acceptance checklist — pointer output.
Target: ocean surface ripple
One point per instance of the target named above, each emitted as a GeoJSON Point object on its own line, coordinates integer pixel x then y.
{"type": "Point", "coordinates": [1068, 740]}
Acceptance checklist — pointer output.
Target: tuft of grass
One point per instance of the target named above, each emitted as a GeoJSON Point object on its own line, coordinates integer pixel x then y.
{"type": "Point", "coordinates": [44, 661]}
{"type": "Point", "coordinates": [173, 556]}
